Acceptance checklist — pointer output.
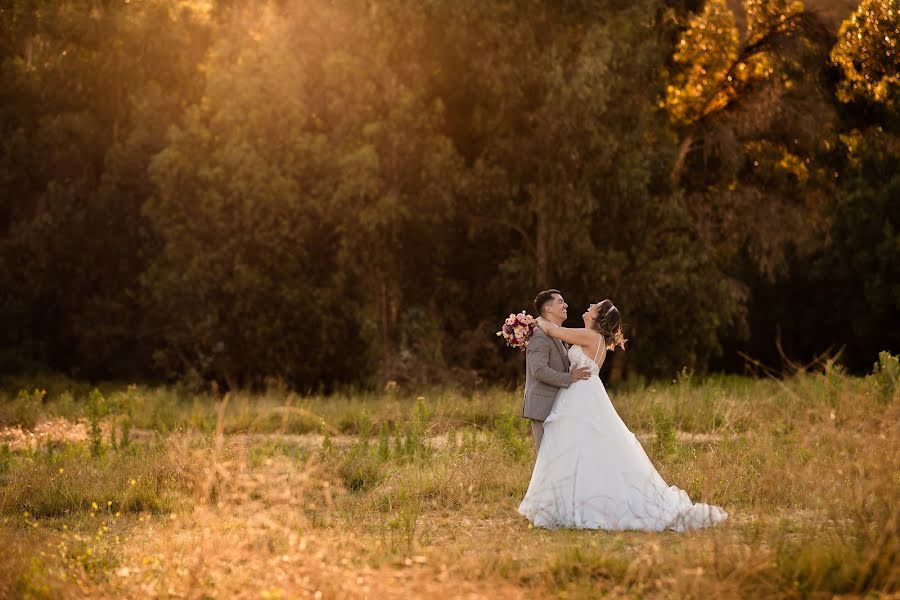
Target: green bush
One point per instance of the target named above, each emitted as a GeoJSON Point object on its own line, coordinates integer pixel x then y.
{"type": "Point", "coordinates": [359, 470]}
{"type": "Point", "coordinates": [664, 427]}
{"type": "Point", "coordinates": [884, 382]}
{"type": "Point", "coordinates": [72, 479]}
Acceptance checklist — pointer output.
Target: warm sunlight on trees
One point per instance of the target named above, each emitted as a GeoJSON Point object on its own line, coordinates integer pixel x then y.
{"type": "Point", "coordinates": [354, 192]}
{"type": "Point", "coordinates": [867, 52]}
{"type": "Point", "coordinates": [707, 51]}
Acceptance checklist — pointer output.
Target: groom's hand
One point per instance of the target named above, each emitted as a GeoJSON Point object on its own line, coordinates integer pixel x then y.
{"type": "Point", "coordinates": [580, 373]}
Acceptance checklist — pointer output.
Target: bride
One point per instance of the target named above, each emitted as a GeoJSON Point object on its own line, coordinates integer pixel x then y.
{"type": "Point", "coordinates": [591, 472]}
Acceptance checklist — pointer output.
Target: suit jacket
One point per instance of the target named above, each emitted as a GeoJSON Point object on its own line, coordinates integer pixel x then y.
{"type": "Point", "coordinates": [546, 371]}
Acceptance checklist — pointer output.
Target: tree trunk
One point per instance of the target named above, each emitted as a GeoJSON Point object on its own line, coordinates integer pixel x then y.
{"type": "Point", "coordinates": [542, 268]}
{"type": "Point", "coordinates": [383, 318]}
{"type": "Point", "coordinates": [678, 168]}
{"type": "Point", "coordinates": [617, 368]}
{"type": "Point", "coordinates": [29, 50]}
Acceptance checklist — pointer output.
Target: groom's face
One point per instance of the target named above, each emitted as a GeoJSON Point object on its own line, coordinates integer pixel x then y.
{"type": "Point", "coordinates": [557, 308]}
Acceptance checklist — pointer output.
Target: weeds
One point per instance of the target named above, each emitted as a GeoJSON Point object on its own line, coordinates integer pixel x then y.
{"type": "Point", "coordinates": [95, 411]}
{"type": "Point", "coordinates": [5, 460]}
{"type": "Point", "coordinates": [427, 488]}
{"type": "Point", "coordinates": [664, 427]}
{"type": "Point", "coordinates": [72, 480]}
{"type": "Point", "coordinates": [884, 381]}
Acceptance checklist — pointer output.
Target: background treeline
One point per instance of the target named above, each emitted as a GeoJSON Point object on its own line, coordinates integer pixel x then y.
{"type": "Point", "coordinates": [359, 191]}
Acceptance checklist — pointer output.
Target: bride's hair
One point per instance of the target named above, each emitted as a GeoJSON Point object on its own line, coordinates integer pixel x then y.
{"type": "Point", "coordinates": [609, 324]}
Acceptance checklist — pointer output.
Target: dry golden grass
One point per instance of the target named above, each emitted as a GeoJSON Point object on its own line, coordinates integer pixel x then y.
{"type": "Point", "coordinates": [403, 498]}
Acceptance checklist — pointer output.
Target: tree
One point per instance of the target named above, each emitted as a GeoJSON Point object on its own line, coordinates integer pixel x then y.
{"type": "Point", "coordinates": [92, 88]}
{"type": "Point", "coordinates": [751, 117]}
{"type": "Point", "coordinates": [867, 54]}
{"type": "Point", "coordinates": [859, 264]}
{"type": "Point", "coordinates": [358, 191]}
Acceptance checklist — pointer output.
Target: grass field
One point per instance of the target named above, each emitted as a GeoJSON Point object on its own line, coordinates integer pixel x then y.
{"type": "Point", "coordinates": [131, 491]}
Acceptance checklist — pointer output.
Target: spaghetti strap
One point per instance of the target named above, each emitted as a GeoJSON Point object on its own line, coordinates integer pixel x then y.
{"type": "Point", "coordinates": [599, 344]}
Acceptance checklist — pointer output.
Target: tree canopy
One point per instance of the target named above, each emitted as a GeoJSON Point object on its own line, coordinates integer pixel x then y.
{"type": "Point", "coordinates": [361, 191]}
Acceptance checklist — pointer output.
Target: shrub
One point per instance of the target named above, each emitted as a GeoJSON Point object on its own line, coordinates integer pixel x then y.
{"type": "Point", "coordinates": [884, 382]}
{"type": "Point", "coordinates": [72, 479]}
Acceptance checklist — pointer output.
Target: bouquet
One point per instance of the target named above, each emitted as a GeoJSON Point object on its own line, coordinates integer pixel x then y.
{"type": "Point", "coordinates": [517, 330]}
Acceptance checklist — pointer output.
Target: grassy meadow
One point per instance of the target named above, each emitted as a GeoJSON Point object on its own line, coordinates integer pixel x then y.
{"type": "Point", "coordinates": [133, 491]}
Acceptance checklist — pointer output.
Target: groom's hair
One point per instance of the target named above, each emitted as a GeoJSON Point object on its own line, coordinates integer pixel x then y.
{"type": "Point", "coordinates": [543, 298]}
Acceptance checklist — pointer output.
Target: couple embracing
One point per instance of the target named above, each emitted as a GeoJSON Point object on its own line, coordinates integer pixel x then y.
{"type": "Point", "coordinates": [591, 472]}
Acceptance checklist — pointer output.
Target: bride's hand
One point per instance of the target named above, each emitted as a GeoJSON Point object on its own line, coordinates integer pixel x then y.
{"type": "Point", "coordinates": [543, 323]}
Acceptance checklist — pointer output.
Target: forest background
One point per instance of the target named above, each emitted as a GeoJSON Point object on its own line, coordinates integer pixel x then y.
{"type": "Point", "coordinates": [358, 192]}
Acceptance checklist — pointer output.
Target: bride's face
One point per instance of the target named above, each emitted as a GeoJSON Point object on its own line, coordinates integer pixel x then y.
{"type": "Point", "coordinates": [590, 315]}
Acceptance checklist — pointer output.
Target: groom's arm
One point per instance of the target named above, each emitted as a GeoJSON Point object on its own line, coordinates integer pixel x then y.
{"type": "Point", "coordinates": [537, 356]}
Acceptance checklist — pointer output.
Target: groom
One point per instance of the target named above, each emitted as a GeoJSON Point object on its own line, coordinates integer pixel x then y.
{"type": "Point", "coordinates": [547, 365]}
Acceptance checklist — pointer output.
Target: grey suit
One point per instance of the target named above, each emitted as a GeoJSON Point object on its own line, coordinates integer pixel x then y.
{"type": "Point", "coordinates": [546, 371]}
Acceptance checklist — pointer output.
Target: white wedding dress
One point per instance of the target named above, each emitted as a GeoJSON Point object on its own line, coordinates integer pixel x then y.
{"type": "Point", "coordinates": [592, 473]}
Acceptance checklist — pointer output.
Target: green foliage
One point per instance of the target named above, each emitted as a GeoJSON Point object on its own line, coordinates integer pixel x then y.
{"type": "Point", "coordinates": [89, 92]}
{"type": "Point", "coordinates": [360, 471]}
{"type": "Point", "coordinates": [414, 442]}
{"type": "Point", "coordinates": [859, 268]}
{"type": "Point", "coordinates": [783, 458]}
{"type": "Point", "coordinates": [707, 50]}
{"type": "Point", "coordinates": [96, 410]}
{"type": "Point", "coordinates": [664, 428]}
{"type": "Point", "coordinates": [885, 378]}
{"type": "Point", "coordinates": [584, 563]}
{"type": "Point", "coordinates": [327, 443]}
{"type": "Point", "coordinates": [364, 429]}
{"type": "Point", "coordinates": [314, 192]}
{"type": "Point", "coordinates": [867, 54]}
{"type": "Point", "coordinates": [74, 480]}
{"type": "Point", "coordinates": [27, 409]}
{"type": "Point", "coordinates": [452, 441]}
{"type": "Point", "coordinates": [399, 529]}
{"type": "Point", "coordinates": [764, 16]}
{"type": "Point", "coordinates": [384, 443]}
{"type": "Point", "coordinates": [512, 432]}
{"type": "Point", "coordinates": [5, 460]}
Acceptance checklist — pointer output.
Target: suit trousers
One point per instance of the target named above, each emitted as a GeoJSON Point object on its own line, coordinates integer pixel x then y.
{"type": "Point", "coordinates": [537, 430]}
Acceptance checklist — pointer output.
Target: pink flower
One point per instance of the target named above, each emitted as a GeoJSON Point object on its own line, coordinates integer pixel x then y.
{"type": "Point", "coordinates": [517, 330]}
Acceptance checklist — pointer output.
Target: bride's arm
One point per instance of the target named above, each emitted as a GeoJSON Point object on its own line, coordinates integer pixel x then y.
{"type": "Point", "coordinates": [580, 336]}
